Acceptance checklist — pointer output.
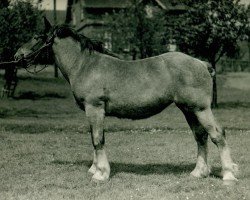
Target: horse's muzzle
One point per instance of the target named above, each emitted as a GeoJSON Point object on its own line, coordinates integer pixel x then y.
{"type": "Point", "coordinates": [18, 56]}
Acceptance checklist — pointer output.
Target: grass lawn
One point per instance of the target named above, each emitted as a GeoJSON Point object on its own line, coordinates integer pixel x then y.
{"type": "Point", "coordinates": [46, 150]}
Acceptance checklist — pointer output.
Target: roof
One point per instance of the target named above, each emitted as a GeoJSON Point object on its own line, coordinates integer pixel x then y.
{"type": "Point", "coordinates": [164, 4]}
{"type": "Point", "coordinates": [106, 3]}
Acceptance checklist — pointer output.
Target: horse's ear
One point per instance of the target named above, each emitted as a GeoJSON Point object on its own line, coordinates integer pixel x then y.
{"type": "Point", "coordinates": [47, 25]}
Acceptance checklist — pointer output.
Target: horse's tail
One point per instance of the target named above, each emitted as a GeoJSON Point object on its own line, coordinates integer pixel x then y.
{"type": "Point", "coordinates": [209, 68]}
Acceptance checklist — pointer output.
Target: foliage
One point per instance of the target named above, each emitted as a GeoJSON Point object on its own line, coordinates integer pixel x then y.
{"type": "Point", "coordinates": [4, 4]}
{"type": "Point", "coordinates": [134, 30]}
{"type": "Point", "coordinates": [18, 23]}
{"type": "Point", "coordinates": [212, 29]}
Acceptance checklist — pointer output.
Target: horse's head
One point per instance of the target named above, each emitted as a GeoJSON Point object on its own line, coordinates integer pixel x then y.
{"type": "Point", "coordinates": [41, 45]}
{"type": "Point", "coordinates": [38, 47]}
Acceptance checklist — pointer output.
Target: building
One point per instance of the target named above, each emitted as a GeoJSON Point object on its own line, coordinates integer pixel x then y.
{"type": "Point", "coordinates": [88, 15]}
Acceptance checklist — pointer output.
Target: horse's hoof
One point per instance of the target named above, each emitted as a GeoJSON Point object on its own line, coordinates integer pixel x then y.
{"type": "Point", "coordinates": [229, 178]}
{"type": "Point", "coordinates": [99, 178]}
{"type": "Point", "coordinates": [200, 173]}
{"type": "Point", "coordinates": [236, 170]}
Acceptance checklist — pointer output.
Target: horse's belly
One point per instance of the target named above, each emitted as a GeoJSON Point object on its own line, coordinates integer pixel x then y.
{"type": "Point", "coordinates": [135, 110]}
{"type": "Point", "coordinates": [139, 100]}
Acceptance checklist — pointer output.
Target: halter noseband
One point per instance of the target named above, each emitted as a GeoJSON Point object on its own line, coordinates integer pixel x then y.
{"type": "Point", "coordinates": [27, 61]}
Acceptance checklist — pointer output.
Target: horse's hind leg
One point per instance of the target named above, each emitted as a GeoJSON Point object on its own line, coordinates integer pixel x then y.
{"type": "Point", "coordinates": [200, 135]}
{"type": "Point", "coordinates": [217, 135]}
{"type": "Point", "coordinates": [100, 167]}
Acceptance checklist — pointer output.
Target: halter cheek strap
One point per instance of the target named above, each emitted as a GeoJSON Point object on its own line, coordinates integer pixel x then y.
{"type": "Point", "coordinates": [50, 40]}
{"type": "Point", "coordinates": [25, 62]}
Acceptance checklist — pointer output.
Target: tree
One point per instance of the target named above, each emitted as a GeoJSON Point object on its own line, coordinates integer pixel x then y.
{"type": "Point", "coordinates": [68, 18]}
{"type": "Point", "coordinates": [4, 4]}
{"type": "Point", "coordinates": [136, 30]}
{"type": "Point", "coordinates": [18, 23]}
{"type": "Point", "coordinates": [211, 29]}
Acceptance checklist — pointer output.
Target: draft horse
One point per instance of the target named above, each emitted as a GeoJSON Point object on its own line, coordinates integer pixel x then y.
{"type": "Point", "coordinates": [104, 85]}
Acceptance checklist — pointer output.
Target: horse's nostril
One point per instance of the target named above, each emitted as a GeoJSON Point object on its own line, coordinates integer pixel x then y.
{"type": "Point", "coordinates": [18, 56]}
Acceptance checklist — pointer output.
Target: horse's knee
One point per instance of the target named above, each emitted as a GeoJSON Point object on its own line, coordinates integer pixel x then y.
{"type": "Point", "coordinates": [98, 141]}
{"type": "Point", "coordinates": [218, 136]}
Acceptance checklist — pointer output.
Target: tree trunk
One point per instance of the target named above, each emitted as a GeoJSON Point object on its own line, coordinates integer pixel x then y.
{"type": "Point", "coordinates": [134, 54]}
{"type": "Point", "coordinates": [10, 77]}
{"type": "Point", "coordinates": [214, 99]}
{"type": "Point", "coordinates": [56, 74]}
{"type": "Point", "coordinates": [55, 22]}
{"type": "Point", "coordinates": [69, 12]}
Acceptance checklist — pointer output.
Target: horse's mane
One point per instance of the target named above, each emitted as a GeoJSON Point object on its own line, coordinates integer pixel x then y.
{"type": "Point", "coordinates": [64, 31]}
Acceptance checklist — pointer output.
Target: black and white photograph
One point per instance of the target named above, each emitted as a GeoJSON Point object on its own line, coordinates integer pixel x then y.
{"type": "Point", "coordinates": [124, 99]}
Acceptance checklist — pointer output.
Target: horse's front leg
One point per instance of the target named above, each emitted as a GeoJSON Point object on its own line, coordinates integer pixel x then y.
{"type": "Point", "coordinates": [100, 167]}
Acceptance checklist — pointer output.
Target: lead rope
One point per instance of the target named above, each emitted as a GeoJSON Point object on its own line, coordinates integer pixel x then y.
{"type": "Point", "coordinates": [35, 68]}
{"type": "Point", "coordinates": [36, 71]}
{"type": "Point", "coordinates": [29, 60]}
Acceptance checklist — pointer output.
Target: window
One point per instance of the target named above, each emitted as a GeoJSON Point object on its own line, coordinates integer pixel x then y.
{"type": "Point", "coordinates": [108, 40]}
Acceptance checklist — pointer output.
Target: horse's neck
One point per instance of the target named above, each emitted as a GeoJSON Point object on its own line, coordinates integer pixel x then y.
{"type": "Point", "coordinates": [68, 56]}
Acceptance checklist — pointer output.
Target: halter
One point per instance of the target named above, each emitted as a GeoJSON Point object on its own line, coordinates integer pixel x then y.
{"type": "Point", "coordinates": [29, 59]}
{"type": "Point", "coordinates": [26, 61]}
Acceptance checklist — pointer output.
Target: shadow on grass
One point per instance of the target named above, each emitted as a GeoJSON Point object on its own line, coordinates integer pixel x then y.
{"type": "Point", "coordinates": [35, 96]}
{"type": "Point", "coordinates": [216, 172]}
{"type": "Point", "coordinates": [39, 128]}
{"type": "Point", "coordinates": [228, 105]}
{"type": "Point", "coordinates": [145, 169]}
{"type": "Point", "coordinates": [42, 79]}
{"type": "Point", "coordinates": [140, 169]}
